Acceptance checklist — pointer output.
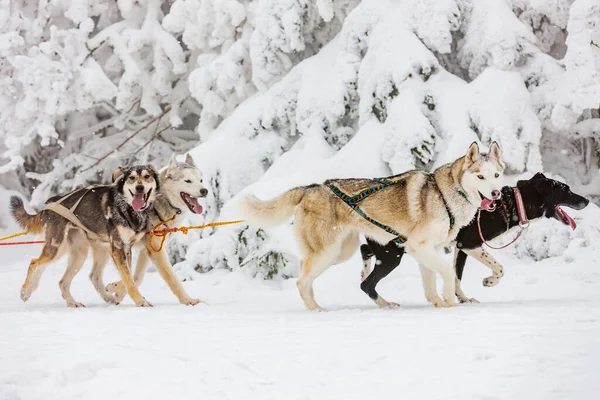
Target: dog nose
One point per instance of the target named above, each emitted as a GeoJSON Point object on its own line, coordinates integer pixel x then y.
{"type": "Point", "coordinates": [140, 188]}
{"type": "Point", "coordinates": [203, 192]}
{"type": "Point", "coordinates": [496, 195]}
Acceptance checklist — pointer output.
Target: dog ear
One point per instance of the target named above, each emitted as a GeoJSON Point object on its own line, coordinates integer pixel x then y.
{"type": "Point", "coordinates": [153, 168]}
{"type": "Point", "coordinates": [539, 175]}
{"type": "Point", "coordinates": [189, 160]}
{"type": "Point", "coordinates": [172, 162]}
{"type": "Point", "coordinates": [495, 151]}
{"type": "Point", "coordinates": [118, 172]}
{"type": "Point", "coordinates": [543, 187]}
{"type": "Point", "coordinates": [473, 153]}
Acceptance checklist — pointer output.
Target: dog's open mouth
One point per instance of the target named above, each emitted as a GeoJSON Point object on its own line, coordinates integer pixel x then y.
{"type": "Point", "coordinates": [140, 200]}
{"type": "Point", "coordinates": [192, 203]}
{"type": "Point", "coordinates": [486, 204]}
{"type": "Point", "coordinates": [565, 218]}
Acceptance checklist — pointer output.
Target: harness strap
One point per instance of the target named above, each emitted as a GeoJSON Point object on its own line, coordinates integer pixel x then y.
{"type": "Point", "coordinates": [69, 213]}
{"type": "Point", "coordinates": [351, 201]}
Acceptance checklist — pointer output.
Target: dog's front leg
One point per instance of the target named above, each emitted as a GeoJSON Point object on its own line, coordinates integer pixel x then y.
{"type": "Point", "coordinates": [121, 253]}
{"type": "Point", "coordinates": [118, 288]}
{"type": "Point", "coordinates": [484, 257]}
{"type": "Point", "coordinates": [428, 257]}
{"type": "Point", "coordinates": [161, 260]}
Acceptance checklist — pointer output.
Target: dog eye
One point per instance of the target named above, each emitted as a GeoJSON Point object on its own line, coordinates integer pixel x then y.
{"type": "Point", "coordinates": [480, 176]}
{"type": "Point", "coordinates": [188, 181]}
{"type": "Point", "coordinates": [496, 175]}
{"type": "Point", "coordinates": [132, 178]}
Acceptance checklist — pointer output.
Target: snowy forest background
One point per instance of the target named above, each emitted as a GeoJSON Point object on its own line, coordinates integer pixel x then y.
{"type": "Point", "coordinates": [270, 94]}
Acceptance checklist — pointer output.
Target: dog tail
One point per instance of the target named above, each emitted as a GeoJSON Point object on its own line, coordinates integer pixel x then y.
{"type": "Point", "coordinates": [31, 223]}
{"type": "Point", "coordinates": [270, 213]}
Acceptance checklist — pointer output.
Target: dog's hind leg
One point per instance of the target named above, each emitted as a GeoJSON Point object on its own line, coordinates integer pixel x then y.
{"type": "Point", "coordinates": [101, 255]}
{"type": "Point", "coordinates": [366, 254]}
{"type": "Point", "coordinates": [383, 267]}
{"type": "Point", "coordinates": [428, 257]}
{"type": "Point", "coordinates": [460, 258]}
{"type": "Point", "coordinates": [313, 266]}
{"type": "Point", "coordinates": [51, 251]}
{"type": "Point", "coordinates": [486, 258]}
{"type": "Point", "coordinates": [78, 250]}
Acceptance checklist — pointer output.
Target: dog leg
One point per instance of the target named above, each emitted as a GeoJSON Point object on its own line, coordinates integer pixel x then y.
{"type": "Point", "coordinates": [78, 251]}
{"type": "Point", "coordinates": [37, 266]}
{"type": "Point", "coordinates": [381, 270]}
{"type": "Point", "coordinates": [313, 266]}
{"type": "Point", "coordinates": [429, 287]}
{"type": "Point", "coordinates": [165, 270]}
{"type": "Point", "coordinates": [120, 256]}
{"type": "Point", "coordinates": [367, 254]}
{"type": "Point", "coordinates": [118, 288]}
{"type": "Point", "coordinates": [427, 256]}
{"type": "Point", "coordinates": [100, 256]}
{"type": "Point", "coordinates": [484, 257]}
{"type": "Point", "coordinates": [460, 258]}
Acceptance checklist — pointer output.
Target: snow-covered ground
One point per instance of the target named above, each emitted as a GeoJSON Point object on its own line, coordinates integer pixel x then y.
{"type": "Point", "coordinates": [535, 336]}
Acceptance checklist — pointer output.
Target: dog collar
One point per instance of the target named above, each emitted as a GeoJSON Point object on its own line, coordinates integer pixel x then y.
{"type": "Point", "coordinates": [177, 209]}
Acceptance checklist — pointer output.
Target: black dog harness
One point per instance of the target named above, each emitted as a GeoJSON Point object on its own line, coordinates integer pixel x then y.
{"type": "Point", "coordinates": [353, 201]}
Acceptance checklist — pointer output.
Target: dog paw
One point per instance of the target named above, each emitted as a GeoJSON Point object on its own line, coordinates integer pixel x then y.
{"type": "Point", "coordinates": [75, 304]}
{"type": "Point", "coordinates": [143, 303]}
{"type": "Point", "coordinates": [391, 304]}
{"type": "Point", "coordinates": [110, 298]}
{"type": "Point", "coordinates": [115, 287]}
{"type": "Point", "coordinates": [119, 296]}
{"type": "Point", "coordinates": [190, 302]}
{"type": "Point", "coordinates": [437, 302]}
{"type": "Point", "coordinates": [450, 303]}
{"type": "Point", "coordinates": [490, 281]}
{"type": "Point", "coordinates": [25, 293]}
{"type": "Point", "coordinates": [464, 300]}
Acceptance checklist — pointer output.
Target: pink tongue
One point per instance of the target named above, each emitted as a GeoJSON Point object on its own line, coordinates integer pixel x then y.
{"type": "Point", "coordinates": [138, 202]}
{"type": "Point", "coordinates": [567, 218]}
{"type": "Point", "coordinates": [486, 203]}
{"type": "Point", "coordinates": [194, 202]}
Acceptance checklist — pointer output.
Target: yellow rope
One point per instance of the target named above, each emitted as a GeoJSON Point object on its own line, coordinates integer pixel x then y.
{"type": "Point", "coordinates": [13, 236]}
{"type": "Point", "coordinates": [164, 232]}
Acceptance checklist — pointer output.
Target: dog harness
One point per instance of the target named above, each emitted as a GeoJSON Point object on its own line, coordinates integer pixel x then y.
{"type": "Point", "coordinates": [353, 201]}
{"type": "Point", "coordinates": [69, 213]}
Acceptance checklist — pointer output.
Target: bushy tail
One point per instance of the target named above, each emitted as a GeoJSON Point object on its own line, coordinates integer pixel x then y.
{"type": "Point", "coordinates": [269, 213]}
{"type": "Point", "coordinates": [31, 223]}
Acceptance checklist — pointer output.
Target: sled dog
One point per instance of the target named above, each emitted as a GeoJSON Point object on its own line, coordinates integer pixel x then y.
{"type": "Point", "coordinates": [422, 210]}
{"type": "Point", "coordinates": [181, 190]}
{"type": "Point", "coordinates": [542, 197]}
{"type": "Point", "coordinates": [115, 214]}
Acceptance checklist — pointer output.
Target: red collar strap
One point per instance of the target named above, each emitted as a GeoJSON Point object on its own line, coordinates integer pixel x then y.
{"type": "Point", "coordinates": [523, 221]}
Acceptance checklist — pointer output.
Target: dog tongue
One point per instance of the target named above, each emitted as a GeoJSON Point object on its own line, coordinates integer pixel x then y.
{"type": "Point", "coordinates": [197, 208]}
{"type": "Point", "coordinates": [567, 218]}
{"type": "Point", "coordinates": [486, 204]}
{"type": "Point", "coordinates": [138, 202]}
